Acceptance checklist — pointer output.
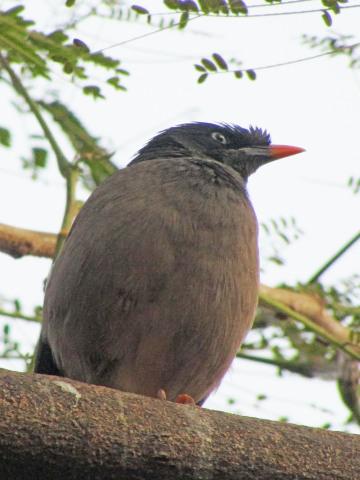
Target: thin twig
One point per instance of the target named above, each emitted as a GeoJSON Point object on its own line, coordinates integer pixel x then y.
{"type": "Point", "coordinates": [63, 164]}
{"type": "Point", "coordinates": [300, 368]}
{"type": "Point", "coordinates": [314, 278]}
{"type": "Point", "coordinates": [70, 207]}
{"type": "Point", "coordinates": [21, 316]}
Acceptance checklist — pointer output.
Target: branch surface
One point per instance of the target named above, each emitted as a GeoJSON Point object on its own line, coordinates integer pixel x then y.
{"type": "Point", "coordinates": [57, 428]}
{"type": "Point", "coordinates": [19, 242]}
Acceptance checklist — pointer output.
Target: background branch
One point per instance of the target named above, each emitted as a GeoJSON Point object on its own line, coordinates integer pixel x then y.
{"type": "Point", "coordinates": [311, 312]}
{"type": "Point", "coordinates": [63, 164]}
{"type": "Point", "coordinates": [314, 278]}
{"type": "Point", "coordinates": [18, 242]}
{"type": "Point", "coordinates": [68, 171]}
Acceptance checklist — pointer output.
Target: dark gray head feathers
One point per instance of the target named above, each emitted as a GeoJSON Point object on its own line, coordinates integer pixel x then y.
{"type": "Point", "coordinates": [222, 142]}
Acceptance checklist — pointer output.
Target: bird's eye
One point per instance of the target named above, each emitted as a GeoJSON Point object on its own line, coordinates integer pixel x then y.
{"type": "Point", "coordinates": [219, 137]}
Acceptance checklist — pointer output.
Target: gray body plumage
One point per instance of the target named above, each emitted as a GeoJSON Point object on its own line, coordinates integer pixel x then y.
{"type": "Point", "coordinates": [156, 286]}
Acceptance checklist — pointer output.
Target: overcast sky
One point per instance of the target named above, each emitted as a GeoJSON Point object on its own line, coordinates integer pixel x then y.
{"type": "Point", "coordinates": [315, 105]}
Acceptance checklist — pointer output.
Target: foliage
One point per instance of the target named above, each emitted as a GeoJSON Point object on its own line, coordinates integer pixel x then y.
{"type": "Point", "coordinates": [37, 52]}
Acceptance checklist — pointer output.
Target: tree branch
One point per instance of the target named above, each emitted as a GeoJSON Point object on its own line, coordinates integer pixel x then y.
{"type": "Point", "coordinates": [22, 316]}
{"type": "Point", "coordinates": [19, 242]}
{"type": "Point", "coordinates": [63, 164]}
{"type": "Point", "coordinates": [315, 277]}
{"type": "Point", "coordinates": [68, 171]}
{"type": "Point", "coordinates": [70, 207]}
{"type": "Point", "coordinates": [311, 312]}
{"type": "Point", "coordinates": [304, 369]}
{"type": "Point", "coordinates": [57, 428]}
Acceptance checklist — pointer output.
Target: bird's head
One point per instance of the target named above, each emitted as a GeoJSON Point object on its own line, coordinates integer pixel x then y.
{"type": "Point", "coordinates": [243, 150]}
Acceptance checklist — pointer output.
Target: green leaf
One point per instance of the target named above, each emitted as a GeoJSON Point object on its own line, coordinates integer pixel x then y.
{"type": "Point", "coordinates": [214, 6]}
{"type": "Point", "coordinates": [68, 68]}
{"type": "Point", "coordinates": [251, 74]}
{"type": "Point", "coordinates": [14, 11]}
{"type": "Point", "coordinates": [326, 425]}
{"type": "Point", "coordinates": [58, 36]}
{"type": "Point", "coordinates": [199, 68]}
{"type": "Point", "coordinates": [261, 396]}
{"type": "Point", "coordinates": [115, 82]}
{"type": "Point", "coordinates": [93, 91]}
{"type": "Point", "coordinates": [327, 18]}
{"type": "Point", "coordinates": [40, 157]}
{"type": "Point", "coordinates": [209, 65]}
{"type": "Point", "coordinates": [121, 71]}
{"type": "Point", "coordinates": [81, 45]}
{"type": "Point", "coordinates": [184, 18]}
{"type": "Point", "coordinates": [14, 40]}
{"type": "Point", "coordinates": [5, 137]}
{"type": "Point", "coordinates": [70, 3]}
{"type": "Point", "coordinates": [238, 6]}
{"type": "Point", "coordinates": [87, 147]}
{"type": "Point", "coordinates": [140, 10]}
{"type": "Point", "coordinates": [189, 6]}
{"type": "Point", "coordinates": [172, 4]}
{"type": "Point", "coordinates": [204, 6]}
{"type": "Point", "coordinates": [17, 305]}
{"type": "Point", "coordinates": [202, 78]}
{"type": "Point", "coordinates": [283, 419]}
{"type": "Point", "coordinates": [332, 4]}
{"type": "Point", "coordinates": [238, 73]}
{"type": "Point", "coordinates": [220, 61]}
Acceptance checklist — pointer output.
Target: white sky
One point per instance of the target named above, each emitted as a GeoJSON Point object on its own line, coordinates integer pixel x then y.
{"type": "Point", "coordinates": [315, 105]}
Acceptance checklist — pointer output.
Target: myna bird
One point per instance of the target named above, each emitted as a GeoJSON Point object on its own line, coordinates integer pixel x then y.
{"type": "Point", "coordinates": [157, 283]}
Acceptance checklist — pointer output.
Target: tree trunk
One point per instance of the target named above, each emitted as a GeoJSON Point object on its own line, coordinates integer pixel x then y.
{"type": "Point", "coordinates": [56, 428]}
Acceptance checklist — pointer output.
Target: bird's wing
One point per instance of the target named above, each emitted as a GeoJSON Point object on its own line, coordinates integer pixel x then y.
{"type": "Point", "coordinates": [43, 359]}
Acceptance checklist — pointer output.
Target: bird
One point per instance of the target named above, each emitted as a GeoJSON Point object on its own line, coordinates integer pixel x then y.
{"type": "Point", "coordinates": [157, 283]}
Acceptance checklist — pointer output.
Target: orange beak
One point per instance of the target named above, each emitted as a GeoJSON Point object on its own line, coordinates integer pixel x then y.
{"type": "Point", "coordinates": [280, 151]}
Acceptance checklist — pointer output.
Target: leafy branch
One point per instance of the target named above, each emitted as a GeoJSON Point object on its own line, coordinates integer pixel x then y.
{"type": "Point", "coordinates": [306, 310]}
{"type": "Point", "coordinates": [218, 65]}
{"type": "Point", "coordinates": [35, 51]}
{"type": "Point", "coordinates": [20, 315]}
{"type": "Point", "coordinates": [68, 171]}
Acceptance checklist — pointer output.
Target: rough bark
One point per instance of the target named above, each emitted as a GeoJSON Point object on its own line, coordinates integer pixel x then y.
{"type": "Point", "coordinates": [56, 428]}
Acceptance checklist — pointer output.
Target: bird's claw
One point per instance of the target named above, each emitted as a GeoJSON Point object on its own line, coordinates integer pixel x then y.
{"type": "Point", "coordinates": [161, 394]}
{"type": "Point", "coordinates": [183, 398]}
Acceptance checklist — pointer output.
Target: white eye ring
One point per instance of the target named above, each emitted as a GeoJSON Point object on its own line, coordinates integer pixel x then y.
{"type": "Point", "coordinates": [219, 137]}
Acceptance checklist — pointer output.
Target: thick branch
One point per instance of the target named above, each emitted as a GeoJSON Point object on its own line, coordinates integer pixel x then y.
{"type": "Point", "coordinates": [18, 242]}
{"type": "Point", "coordinates": [57, 428]}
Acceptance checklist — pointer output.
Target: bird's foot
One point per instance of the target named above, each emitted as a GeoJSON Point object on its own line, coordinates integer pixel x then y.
{"type": "Point", "coordinates": [183, 398]}
{"type": "Point", "coordinates": [161, 394]}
